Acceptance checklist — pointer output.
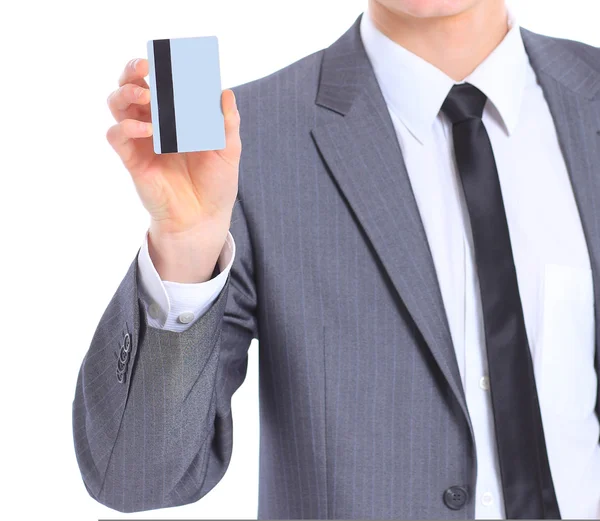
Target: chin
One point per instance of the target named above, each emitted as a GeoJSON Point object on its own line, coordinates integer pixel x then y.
{"type": "Point", "coordinates": [428, 8]}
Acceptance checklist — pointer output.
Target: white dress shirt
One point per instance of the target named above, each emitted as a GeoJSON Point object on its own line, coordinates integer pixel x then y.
{"type": "Point", "coordinates": [549, 248]}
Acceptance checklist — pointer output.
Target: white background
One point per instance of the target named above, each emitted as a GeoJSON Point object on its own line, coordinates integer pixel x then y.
{"type": "Point", "coordinates": [71, 222]}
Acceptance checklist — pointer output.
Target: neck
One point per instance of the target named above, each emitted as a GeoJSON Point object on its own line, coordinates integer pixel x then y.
{"type": "Point", "coordinates": [454, 44]}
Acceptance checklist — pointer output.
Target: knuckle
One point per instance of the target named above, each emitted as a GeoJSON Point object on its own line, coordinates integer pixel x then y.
{"type": "Point", "coordinates": [116, 98]}
{"type": "Point", "coordinates": [121, 97]}
{"type": "Point", "coordinates": [110, 134]}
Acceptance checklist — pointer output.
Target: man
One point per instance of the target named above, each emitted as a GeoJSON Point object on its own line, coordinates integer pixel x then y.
{"type": "Point", "coordinates": [412, 232]}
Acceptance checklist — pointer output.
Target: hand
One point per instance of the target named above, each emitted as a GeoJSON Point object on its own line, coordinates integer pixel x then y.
{"type": "Point", "coordinates": [189, 196]}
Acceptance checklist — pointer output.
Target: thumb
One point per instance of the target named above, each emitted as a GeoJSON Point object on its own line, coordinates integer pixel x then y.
{"type": "Point", "coordinates": [233, 145]}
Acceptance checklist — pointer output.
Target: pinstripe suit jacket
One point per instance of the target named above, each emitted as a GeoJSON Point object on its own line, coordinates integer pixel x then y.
{"type": "Point", "coordinates": [362, 412]}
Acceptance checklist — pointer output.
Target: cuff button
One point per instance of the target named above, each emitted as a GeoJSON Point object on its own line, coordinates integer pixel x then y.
{"type": "Point", "coordinates": [185, 318]}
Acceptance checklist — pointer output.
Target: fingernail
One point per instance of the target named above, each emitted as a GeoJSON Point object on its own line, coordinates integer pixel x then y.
{"type": "Point", "coordinates": [134, 64]}
{"type": "Point", "coordinates": [139, 92]}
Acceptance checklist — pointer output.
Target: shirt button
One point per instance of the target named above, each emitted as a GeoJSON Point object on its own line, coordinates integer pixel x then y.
{"type": "Point", "coordinates": [487, 499]}
{"type": "Point", "coordinates": [185, 318]}
{"type": "Point", "coordinates": [484, 383]}
{"type": "Point", "coordinates": [154, 310]}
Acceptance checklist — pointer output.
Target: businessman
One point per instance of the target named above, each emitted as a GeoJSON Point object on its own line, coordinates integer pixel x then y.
{"type": "Point", "coordinates": [412, 232]}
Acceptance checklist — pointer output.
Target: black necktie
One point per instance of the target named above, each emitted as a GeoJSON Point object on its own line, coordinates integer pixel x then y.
{"type": "Point", "coordinates": [524, 468]}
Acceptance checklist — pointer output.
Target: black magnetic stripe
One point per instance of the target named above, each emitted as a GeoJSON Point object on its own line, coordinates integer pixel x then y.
{"type": "Point", "coordinates": [164, 95]}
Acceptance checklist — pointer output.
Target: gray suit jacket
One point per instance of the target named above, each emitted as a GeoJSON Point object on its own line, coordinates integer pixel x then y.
{"type": "Point", "coordinates": [362, 412]}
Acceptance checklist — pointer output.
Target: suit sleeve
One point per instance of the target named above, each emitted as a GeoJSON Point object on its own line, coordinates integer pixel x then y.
{"type": "Point", "coordinates": [152, 420]}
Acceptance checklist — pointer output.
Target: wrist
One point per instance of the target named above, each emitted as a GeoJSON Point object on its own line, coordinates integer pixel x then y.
{"type": "Point", "coordinates": [187, 257]}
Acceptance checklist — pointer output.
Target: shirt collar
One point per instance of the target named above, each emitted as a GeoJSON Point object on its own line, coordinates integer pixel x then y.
{"type": "Point", "coordinates": [415, 90]}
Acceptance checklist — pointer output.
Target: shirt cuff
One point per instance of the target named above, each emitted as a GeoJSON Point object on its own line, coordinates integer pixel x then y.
{"type": "Point", "coordinates": [175, 306]}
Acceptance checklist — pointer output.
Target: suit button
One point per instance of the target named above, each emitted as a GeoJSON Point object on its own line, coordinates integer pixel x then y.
{"type": "Point", "coordinates": [126, 343]}
{"type": "Point", "coordinates": [455, 497]}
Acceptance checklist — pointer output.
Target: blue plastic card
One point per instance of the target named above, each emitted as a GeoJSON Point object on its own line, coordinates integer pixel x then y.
{"type": "Point", "coordinates": [185, 95]}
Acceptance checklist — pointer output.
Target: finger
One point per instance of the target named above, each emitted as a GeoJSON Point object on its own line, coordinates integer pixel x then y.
{"type": "Point", "coordinates": [129, 94]}
{"type": "Point", "coordinates": [122, 137]}
{"type": "Point", "coordinates": [134, 72]}
{"type": "Point", "coordinates": [233, 144]}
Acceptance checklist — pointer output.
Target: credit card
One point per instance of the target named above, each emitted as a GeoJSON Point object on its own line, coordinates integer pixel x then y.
{"type": "Point", "coordinates": [185, 95]}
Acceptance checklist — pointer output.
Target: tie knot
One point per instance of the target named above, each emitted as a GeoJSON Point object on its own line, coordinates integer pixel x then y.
{"type": "Point", "coordinates": [465, 101]}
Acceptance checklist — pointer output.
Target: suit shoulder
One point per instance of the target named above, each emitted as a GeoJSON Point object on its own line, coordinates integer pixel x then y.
{"type": "Point", "coordinates": [590, 54]}
{"type": "Point", "coordinates": [298, 80]}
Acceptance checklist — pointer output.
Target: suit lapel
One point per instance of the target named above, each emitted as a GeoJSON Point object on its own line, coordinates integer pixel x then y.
{"type": "Point", "coordinates": [572, 88]}
{"type": "Point", "coordinates": [363, 155]}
